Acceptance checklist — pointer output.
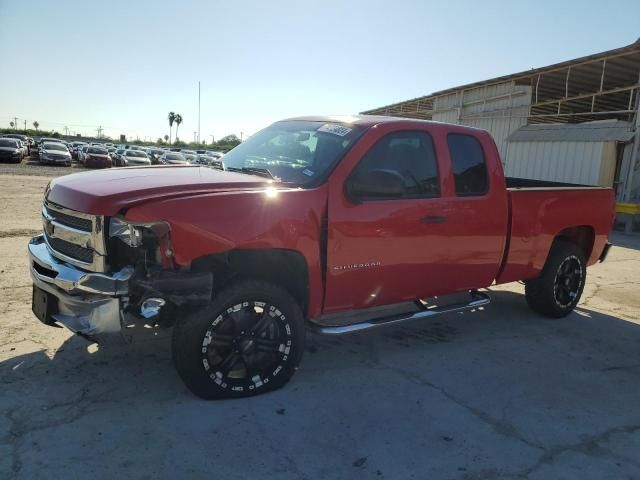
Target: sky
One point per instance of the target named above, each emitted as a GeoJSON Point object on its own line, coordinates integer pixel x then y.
{"type": "Point", "coordinates": [124, 65]}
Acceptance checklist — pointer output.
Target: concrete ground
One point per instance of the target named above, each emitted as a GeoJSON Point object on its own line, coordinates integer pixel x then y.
{"type": "Point", "coordinates": [500, 393]}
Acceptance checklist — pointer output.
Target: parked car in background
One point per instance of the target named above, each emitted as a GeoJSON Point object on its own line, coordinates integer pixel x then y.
{"type": "Point", "coordinates": [23, 139]}
{"type": "Point", "coordinates": [136, 158]}
{"type": "Point", "coordinates": [173, 158]}
{"type": "Point", "coordinates": [202, 159]}
{"type": "Point", "coordinates": [118, 157]}
{"type": "Point", "coordinates": [97, 157]}
{"type": "Point", "coordinates": [10, 150]}
{"type": "Point", "coordinates": [155, 154]}
{"type": "Point", "coordinates": [74, 149]}
{"type": "Point", "coordinates": [54, 153]}
{"type": "Point", "coordinates": [190, 157]}
{"type": "Point", "coordinates": [81, 151]}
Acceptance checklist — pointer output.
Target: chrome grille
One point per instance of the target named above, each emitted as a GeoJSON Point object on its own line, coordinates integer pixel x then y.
{"type": "Point", "coordinates": [69, 220]}
{"type": "Point", "coordinates": [69, 249]}
{"type": "Point", "coordinates": [75, 237]}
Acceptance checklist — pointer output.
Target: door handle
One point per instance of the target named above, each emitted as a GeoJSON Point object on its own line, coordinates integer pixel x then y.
{"type": "Point", "coordinates": [430, 219]}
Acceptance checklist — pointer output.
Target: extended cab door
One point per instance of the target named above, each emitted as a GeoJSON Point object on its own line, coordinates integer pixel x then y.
{"type": "Point", "coordinates": [387, 221]}
{"type": "Point", "coordinates": [478, 208]}
{"type": "Point", "coordinates": [415, 210]}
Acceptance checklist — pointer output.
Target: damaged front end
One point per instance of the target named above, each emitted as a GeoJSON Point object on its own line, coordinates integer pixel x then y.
{"type": "Point", "coordinates": [135, 279]}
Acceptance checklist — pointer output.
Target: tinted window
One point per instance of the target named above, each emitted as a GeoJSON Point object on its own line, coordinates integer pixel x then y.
{"type": "Point", "coordinates": [55, 146]}
{"type": "Point", "coordinates": [407, 155]}
{"type": "Point", "coordinates": [468, 163]}
{"type": "Point", "coordinates": [97, 151]}
{"type": "Point", "coordinates": [134, 153]}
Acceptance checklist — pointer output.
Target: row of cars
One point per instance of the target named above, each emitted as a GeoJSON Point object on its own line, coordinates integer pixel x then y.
{"type": "Point", "coordinates": [100, 155]}
{"type": "Point", "coordinates": [56, 151]}
{"type": "Point", "coordinates": [14, 147]}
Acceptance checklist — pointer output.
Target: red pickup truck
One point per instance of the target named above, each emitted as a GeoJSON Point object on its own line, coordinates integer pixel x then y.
{"type": "Point", "coordinates": [337, 223]}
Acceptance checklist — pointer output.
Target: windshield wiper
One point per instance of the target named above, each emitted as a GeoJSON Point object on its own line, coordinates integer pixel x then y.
{"type": "Point", "coordinates": [260, 172]}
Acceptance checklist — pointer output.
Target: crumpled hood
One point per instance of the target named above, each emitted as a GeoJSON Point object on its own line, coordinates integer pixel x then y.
{"type": "Point", "coordinates": [109, 191]}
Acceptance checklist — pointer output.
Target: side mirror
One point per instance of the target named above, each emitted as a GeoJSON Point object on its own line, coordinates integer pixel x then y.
{"type": "Point", "coordinates": [375, 185]}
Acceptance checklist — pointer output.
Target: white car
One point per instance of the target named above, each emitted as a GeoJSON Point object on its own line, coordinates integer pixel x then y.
{"type": "Point", "coordinates": [136, 158]}
{"type": "Point", "coordinates": [56, 153]}
{"type": "Point", "coordinates": [173, 158]}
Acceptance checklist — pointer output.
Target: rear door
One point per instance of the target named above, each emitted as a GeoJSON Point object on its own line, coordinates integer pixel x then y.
{"type": "Point", "coordinates": [477, 217]}
{"type": "Point", "coordinates": [387, 228]}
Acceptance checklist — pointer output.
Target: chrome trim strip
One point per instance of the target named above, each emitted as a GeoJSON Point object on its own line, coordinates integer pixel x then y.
{"type": "Point", "coordinates": [61, 256]}
{"type": "Point", "coordinates": [67, 211]}
{"type": "Point", "coordinates": [478, 299]}
{"type": "Point", "coordinates": [73, 280]}
{"type": "Point", "coordinates": [64, 232]}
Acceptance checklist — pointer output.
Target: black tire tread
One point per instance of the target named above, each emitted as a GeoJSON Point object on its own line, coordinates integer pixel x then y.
{"type": "Point", "coordinates": [188, 334]}
{"type": "Point", "coordinates": [539, 291]}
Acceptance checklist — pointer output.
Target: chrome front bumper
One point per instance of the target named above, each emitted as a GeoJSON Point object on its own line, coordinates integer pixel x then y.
{"type": "Point", "coordinates": [88, 303]}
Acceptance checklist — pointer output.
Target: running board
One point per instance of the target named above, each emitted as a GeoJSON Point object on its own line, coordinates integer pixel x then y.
{"type": "Point", "coordinates": [478, 299]}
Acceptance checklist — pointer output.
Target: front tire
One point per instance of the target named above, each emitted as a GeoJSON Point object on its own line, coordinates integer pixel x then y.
{"type": "Point", "coordinates": [558, 289]}
{"type": "Point", "coordinates": [248, 341]}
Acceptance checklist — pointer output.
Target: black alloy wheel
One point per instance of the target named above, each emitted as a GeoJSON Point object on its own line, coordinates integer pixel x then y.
{"type": "Point", "coordinates": [248, 341]}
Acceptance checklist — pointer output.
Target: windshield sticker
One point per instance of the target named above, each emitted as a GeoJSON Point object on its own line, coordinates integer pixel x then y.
{"type": "Point", "coordinates": [334, 129]}
{"type": "Point", "coordinates": [308, 173]}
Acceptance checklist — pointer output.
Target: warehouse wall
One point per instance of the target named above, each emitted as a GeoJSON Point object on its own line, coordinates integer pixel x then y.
{"type": "Point", "coordinates": [500, 109]}
{"type": "Point", "coordinates": [588, 163]}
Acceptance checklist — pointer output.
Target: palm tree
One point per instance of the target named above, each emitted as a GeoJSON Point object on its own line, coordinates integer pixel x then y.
{"type": "Point", "coordinates": [11, 123]}
{"type": "Point", "coordinates": [178, 121]}
{"type": "Point", "coordinates": [166, 138]}
{"type": "Point", "coordinates": [172, 118]}
{"type": "Point", "coordinates": [36, 125]}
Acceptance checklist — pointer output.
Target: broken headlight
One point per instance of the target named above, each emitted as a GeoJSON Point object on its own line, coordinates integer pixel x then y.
{"type": "Point", "coordinates": [125, 231]}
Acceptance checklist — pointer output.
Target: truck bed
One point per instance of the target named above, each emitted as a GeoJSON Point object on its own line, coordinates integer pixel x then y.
{"type": "Point", "coordinates": [539, 211]}
{"type": "Point", "coordinates": [527, 183]}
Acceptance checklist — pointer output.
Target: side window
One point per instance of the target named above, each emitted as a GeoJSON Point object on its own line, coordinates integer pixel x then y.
{"type": "Point", "coordinates": [400, 165]}
{"type": "Point", "coordinates": [468, 164]}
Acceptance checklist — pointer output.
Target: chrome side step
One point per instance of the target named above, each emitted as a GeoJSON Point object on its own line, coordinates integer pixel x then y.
{"type": "Point", "coordinates": [478, 299]}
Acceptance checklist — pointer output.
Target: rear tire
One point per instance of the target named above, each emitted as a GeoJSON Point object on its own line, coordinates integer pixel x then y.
{"type": "Point", "coordinates": [248, 341]}
{"type": "Point", "coordinates": [558, 289]}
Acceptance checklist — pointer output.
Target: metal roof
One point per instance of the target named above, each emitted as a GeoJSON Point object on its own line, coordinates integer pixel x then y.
{"type": "Point", "coordinates": [602, 85]}
{"type": "Point", "coordinates": [602, 131]}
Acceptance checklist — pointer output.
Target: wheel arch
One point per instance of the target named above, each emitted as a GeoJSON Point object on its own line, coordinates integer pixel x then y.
{"type": "Point", "coordinates": [284, 267]}
{"type": "Point", "coordinates": [581, 235]}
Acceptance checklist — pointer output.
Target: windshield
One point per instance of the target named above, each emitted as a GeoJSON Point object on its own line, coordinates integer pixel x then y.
{"type": "Point", "coordinates": [295, 151]}
{"type": "Point", "coordinates": [133, 153]}
{"type": "Point", "coordinates": [8, 143]}
{"type": "Point", "coordinates": [174, 156]}
{"type": "Point", "coordinates": [55, 146]}
{"type": "Point", "coordinates": [97, 151]}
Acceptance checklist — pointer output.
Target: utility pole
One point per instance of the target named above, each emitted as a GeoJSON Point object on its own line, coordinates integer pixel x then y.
{"type": "Point", "coordinates": [15, 123]}
{"type": "Point", "coordinates": [25, 125]}
{"type": "Point", "coordinates": [99, 130]}
{"type": "Point", "coordinates": [66, 131]}
{"type": "Point", "coordinates": [198, 111]}
{"type": "Point", "coordinates": [241, 135]}
{"type": "Point", "coordinates": [211, 139]}
{"type": "Point", "coordinates": [194, 137]}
